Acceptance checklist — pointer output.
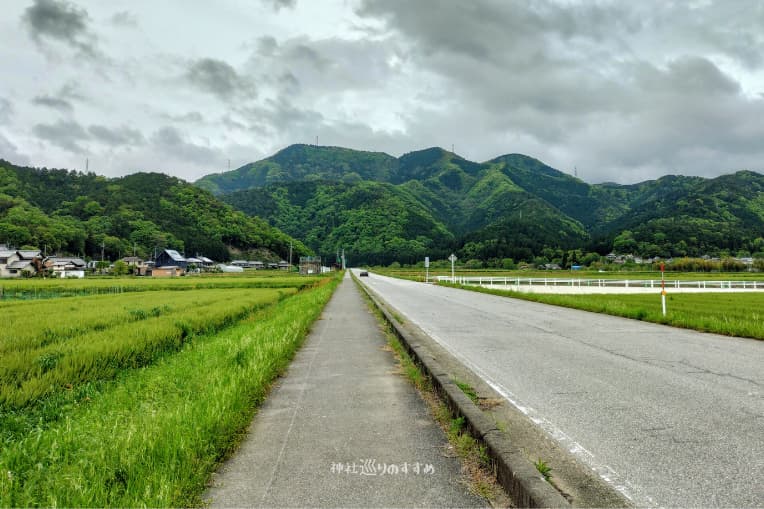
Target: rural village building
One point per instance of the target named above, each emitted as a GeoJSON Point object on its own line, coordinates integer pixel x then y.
{"type": "Point", "coordinates": [171, 258]}
{"type": "Point", "coordinates": [65, 267]}
{"type": "Point", "coordinates": [17, 262]}
{"type": "Point", "coordinates": [310, 265]}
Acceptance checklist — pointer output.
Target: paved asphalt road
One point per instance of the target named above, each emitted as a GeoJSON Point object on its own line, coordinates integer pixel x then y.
{"type": "Point", "coordinates": [670, 417]}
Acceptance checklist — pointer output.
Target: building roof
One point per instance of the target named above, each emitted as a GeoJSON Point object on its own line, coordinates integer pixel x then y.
{"type": "Point", "coordinates": [20, 264]}
{"type": "Point", "coordinates": [5, 253]}
{"type": "Point", "coordinates": [27, 254]}
{"type": "Point", "coordinates": [204, 259]}
{"type": "Point", "coordinates": [132, 259]}
{"type": "Point", "coordinates": [176, 256]}
{"type": "Point", "coordinates": [63, 261]}
{"type": "Point", "coordinates": [194, 260]}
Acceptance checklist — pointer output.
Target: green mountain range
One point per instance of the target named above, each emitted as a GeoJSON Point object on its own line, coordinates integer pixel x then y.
{"type": "Point", "coordinates": [431, 202]}
{"type": "Point", "coordinates": [69, 212]}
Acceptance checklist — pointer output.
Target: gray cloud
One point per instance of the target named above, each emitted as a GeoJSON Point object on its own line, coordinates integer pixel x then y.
{"type": "Point", "coordinates": [61, 21]}
{"type": "Point", "coordinates": [116, 136]}
{"type": "Point", "coordinates": [53, 102]}
{"type": "Point", "coordinates": [64, 134]}
{"type": "Point", "coordinates": [192, 117]}
{"type": "Point", "coordinates": [218, 78]}
{"type": "Point", "coordinates": [9, 152]}
{"type": "Point", "coordinates": [281, 4]}
{"type": "Point", "coordinates": [585, 81]}
{"type": "Point", "coordinates": [6, 110]}
{"type": "Point", "coordinates": [169, 140]}
{"type": "Point", "coordinates": [124, 19]}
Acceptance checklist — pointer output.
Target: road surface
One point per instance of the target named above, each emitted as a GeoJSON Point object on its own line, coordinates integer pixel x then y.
{"type": "Point", "coordinates": [670, 417]}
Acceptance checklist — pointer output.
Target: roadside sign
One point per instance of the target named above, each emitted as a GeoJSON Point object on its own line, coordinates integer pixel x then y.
{"type": "Point", "coordinates": [452, 259]}
{"type": "Point", "coordinates": [426, 262]}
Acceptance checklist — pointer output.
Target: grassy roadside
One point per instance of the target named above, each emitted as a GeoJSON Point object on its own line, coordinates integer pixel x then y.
{"type": "Point", "coordinates": [152, 435]}
{"type": "Point", "coordinates": [730, 314]}
{"type": "Point", "coordinates": [477, 469]}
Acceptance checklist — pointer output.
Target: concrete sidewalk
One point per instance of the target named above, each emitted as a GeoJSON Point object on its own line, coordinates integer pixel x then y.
{"type": "Point", "coordinates": [342, 429]}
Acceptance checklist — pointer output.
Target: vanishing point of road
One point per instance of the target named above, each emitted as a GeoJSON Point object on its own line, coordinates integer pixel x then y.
{"type": "Point", "coordinates": [670, 417]}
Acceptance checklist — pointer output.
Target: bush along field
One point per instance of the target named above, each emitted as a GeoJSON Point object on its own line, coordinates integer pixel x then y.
{"type": "Point", "coordinates": [133, 399]}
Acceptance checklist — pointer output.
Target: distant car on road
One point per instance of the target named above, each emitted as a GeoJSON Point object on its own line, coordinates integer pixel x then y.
{"type": "Point", "coordinates": [363, 273]}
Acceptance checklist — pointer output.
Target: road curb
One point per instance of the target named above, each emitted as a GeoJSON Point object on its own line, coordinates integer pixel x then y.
{"type": "Point", "coordinates": [518, 476]}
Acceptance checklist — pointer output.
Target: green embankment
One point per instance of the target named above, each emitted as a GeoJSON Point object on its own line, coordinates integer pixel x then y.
{"type": "Point", "coordinates": [148, 433]}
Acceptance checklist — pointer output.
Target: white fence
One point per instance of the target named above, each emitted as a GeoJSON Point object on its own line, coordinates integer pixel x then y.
{"type": "Point", "coordinates": [611, 284]}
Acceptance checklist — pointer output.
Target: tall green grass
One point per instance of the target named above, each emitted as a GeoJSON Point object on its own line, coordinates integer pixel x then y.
{"type": "Point", "coordinates": [731, 314]}
{"type": "Point", "coordinates": [46, 357]}
{"type": "Point", "coordinates": [152, 436]}
{"type": "Point", "coordinates": [35, 289]}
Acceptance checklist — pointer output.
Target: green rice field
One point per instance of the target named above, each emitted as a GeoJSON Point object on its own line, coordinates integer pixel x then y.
{"type": "Point", "coordinates": [133, 398]}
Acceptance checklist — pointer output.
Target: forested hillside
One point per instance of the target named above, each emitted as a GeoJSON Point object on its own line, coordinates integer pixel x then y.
{"type": "Point", "coordinates": [432, 201]}
{"type": "Point", "coordinates": [77, 213]}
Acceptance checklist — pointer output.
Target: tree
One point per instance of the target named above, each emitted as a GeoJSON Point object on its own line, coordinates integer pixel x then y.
{"type": "Point", "coordinates": [120, 268]}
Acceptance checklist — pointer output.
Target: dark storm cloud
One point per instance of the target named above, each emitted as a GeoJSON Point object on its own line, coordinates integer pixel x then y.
{"type": "Point", "coordinates": [61, 21]}
{"type": "Point", "coordinates": [64, 134]}
{"type": "Point", "coordinates": [116, 136]}
{"type": "Point", "coordinates": [53, 102]}
{"type": "Point", "coordinates": [171, 142]}
{"type": "Point", "coordinates": [218, 78]}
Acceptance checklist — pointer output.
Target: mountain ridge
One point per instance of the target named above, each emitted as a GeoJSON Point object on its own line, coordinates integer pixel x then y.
{"type": "Point", "coordinates": [515, 205]}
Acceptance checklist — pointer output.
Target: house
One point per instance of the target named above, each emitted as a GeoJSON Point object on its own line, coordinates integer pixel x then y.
{"type": "Point", "coordinates": [65, 267]}
{"type": "Point", "coordinates": [194, 264]}
{"type": "Point", "coordinates": [258, 265]}
{"type": "Point", "coordinates": [310, 265]}
{"type": "Point", "coordinates": [17, 262]}
{"type": "Point", "coordinates": [7, 257]}
{"type": "Point", "coordinates": [136, 265]}
{"type": "Point", "coordinates": [171, 258]}
{"type": "Point", "coordinates": [284, 265]}
{"type": "Point", "coordinates": [206, 262]}
{"type": "Point", "coordinates": [240, 263]}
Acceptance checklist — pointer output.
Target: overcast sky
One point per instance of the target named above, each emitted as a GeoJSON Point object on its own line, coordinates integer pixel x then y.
{"type": "Point", "coordinates": [621, 91]}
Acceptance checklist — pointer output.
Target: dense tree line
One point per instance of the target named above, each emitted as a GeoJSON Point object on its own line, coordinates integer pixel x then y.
{"type": "Point", "coordinates": [77, 213]}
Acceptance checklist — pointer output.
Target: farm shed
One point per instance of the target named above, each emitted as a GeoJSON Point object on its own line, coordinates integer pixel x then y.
{"type": "Point", "coordinates": [171, 258]}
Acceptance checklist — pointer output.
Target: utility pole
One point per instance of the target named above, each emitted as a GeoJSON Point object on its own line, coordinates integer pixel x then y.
{"type": "Point", "coordinates": [290, 254]}
{"type": "Point", "coordinates": [103, 245]}
{"type": "Point", "coordinates": [87, 164]}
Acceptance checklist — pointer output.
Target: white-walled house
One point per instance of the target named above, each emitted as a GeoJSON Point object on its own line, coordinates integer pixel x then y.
{"type": "Point", "coordinates": [15, 262]}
